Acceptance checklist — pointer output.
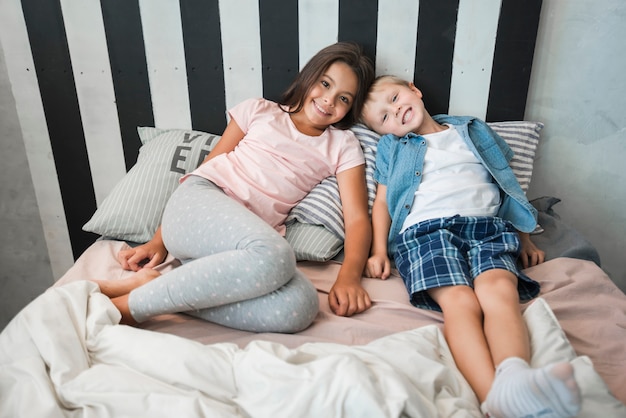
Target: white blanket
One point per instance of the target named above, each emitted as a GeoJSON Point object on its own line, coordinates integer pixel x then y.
{"type": "Point", "coordinates": [66, 355]}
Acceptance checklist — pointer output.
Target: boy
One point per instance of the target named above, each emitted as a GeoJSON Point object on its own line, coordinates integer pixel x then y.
{"type": "Point", "coordinates": [448, 208]}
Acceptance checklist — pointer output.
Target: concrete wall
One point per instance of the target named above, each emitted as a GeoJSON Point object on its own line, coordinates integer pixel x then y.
{"type": "Point", "coordinates": [25, 269]}
{"type": "Point", "coordinates": [578, 90]}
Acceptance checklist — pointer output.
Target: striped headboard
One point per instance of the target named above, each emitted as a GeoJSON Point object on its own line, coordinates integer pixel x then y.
{"type": "Point", "coordinates": [86, 73]}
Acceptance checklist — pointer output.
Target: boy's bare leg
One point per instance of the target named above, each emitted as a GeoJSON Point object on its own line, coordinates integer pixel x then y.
{"type": "Point", "coordinates": [463, 329]}
{"type": "Point", "coordinates": [519, 390]}
{"type": "Point", "coordinates": [117, 288]}
{"type": "Point", "coordinates": [516, 389]}
{"type": "Point", "coordinates": [504, 327]}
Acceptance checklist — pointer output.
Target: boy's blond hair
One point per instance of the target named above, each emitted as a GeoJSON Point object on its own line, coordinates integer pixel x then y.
{"type": "Point", "coordinates": [378, 82]}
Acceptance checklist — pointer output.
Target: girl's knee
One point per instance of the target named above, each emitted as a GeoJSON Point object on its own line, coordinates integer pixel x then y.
{"type": "Point", "coordinates": [284, 251]}
{"type": "Point", "coordinates": [300, 304]}
{"type": "Point", "coordinates": [288, 310]}
{"type": "Point", "coordinates": [283, 254]}
{"type": "Point", "coordinates": [273, 257]}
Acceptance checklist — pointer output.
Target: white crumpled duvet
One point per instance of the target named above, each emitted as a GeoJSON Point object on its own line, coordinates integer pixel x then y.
{"type": "Point", "coordinates": [66, 355]}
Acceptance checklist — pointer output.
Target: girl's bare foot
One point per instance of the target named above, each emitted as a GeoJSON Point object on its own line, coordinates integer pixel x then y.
{"type": "Point", "coordinates": [117, 288]}
{"type": "Point", "coordinates": [121, 303]}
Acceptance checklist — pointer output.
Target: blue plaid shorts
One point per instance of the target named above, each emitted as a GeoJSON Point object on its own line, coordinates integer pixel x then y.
{"type": "Point", "coordinates": [454, 251]}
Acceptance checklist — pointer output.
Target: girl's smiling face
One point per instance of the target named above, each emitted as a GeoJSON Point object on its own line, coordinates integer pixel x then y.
{"type": "Point", "coordinates": [329, 100]}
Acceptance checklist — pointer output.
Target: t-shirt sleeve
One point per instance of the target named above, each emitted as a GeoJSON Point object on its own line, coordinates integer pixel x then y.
{"type": "Point", "coordinates": [244, 112]}
{"type": "Point", "coordinates": [352, 154]}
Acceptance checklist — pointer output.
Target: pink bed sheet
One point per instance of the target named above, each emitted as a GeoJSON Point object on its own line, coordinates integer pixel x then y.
{"type": "Point", "coordinates": [590, 308]}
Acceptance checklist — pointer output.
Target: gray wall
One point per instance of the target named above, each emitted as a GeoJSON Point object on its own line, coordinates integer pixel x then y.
{"type": "Point", "coordinates": [25, 269]}
{"type": "Point", "coordinates": [577, 90]}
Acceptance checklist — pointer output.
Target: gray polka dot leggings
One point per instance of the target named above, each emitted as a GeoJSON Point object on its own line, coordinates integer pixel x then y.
{"type": "Point", "coordinates": [237, 270]}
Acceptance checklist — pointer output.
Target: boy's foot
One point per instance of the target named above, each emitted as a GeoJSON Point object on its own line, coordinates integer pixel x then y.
{"type": "Point", "coordinates": [520, 391]}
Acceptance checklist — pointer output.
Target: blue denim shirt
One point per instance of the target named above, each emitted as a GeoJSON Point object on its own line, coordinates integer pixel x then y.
{"type": "Point", "coordinates": [400, 161]}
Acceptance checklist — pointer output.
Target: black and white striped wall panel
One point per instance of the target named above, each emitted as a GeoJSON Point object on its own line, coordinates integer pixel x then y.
{"type": "Point", "coordinates": [86, 73]}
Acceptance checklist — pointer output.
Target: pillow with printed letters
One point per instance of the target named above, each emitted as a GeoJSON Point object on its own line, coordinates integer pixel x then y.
{"type": "Point", "coordinates": [132, 211]}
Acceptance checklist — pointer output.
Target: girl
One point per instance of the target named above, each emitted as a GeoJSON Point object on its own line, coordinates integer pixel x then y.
{"type": "Point", "coordinates": [225, 222]}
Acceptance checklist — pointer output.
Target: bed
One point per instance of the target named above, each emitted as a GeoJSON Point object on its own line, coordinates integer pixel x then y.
{"type": "Point", "coordinates": [392, 360]}
{"type": "Point", "coordinates": [65, 354]}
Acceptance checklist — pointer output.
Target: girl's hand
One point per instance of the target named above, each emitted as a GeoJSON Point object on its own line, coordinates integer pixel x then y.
{"type": "Point", "coordinates": [348, 299]}
{"type": "Point", "coordinates": [530, 254]}
{"type": "Point", "coordinates": [148, 255]}
{"type": "Point", "coordinates": [378, 266]}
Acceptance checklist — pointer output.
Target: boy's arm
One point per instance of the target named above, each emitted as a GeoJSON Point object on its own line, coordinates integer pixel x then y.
{"type": "Point", "coordinates": [530, 254]}
{"type": "Point", "coordinates": [347, 297]}
{"type": "Point", "coordinates": [378, 265]}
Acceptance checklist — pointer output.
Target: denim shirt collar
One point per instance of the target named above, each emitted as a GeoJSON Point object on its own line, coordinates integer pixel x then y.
{"type": "Point", "coordinates": [460, 122]}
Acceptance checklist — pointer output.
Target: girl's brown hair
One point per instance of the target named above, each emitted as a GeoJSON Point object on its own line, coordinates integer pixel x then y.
{"type": "Point", "coordinates": [349, 53]}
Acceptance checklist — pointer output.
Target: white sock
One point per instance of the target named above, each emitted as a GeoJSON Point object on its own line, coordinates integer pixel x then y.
{"type": "Point", "coordinates": [520, 391]}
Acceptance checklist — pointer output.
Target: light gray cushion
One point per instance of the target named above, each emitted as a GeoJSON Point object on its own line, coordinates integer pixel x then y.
{"type": "Point", "coordinates": [312, 242]}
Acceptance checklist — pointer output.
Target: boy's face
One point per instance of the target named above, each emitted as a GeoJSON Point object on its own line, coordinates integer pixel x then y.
{"type": "Point", "coordinates": [394, 109]}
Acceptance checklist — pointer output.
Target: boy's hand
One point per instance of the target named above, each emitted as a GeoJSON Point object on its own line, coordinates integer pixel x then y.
{"type": "Point", "coordinates": [348, 299]}
{"type": "Point", "coordinates": [530, 254]}
{"type": "Point", "coordinates": [378, 266]}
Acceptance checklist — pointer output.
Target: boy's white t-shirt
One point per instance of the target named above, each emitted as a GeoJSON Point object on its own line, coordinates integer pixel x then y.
{"type": "Point", "coordinates": [275, 165]}
{"type": "Point", "coordinates": [454, 182]}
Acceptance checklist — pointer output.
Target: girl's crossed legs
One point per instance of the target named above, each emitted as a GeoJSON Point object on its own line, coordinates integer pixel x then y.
{"type": "Point", "coordinates": [237, 270]}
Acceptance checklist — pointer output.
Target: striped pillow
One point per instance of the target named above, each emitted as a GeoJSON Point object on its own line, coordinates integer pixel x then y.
{"type": "Point", "coordinates": [312, 242]}
{"type": "Point", "coordinates": [323, 207]}
{"type": "Point", "coordinates": [523, 138]}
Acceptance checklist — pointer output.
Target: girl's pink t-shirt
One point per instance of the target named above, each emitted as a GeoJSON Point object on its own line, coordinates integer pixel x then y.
{"type": "Point", "coordinates": [275, 165]}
